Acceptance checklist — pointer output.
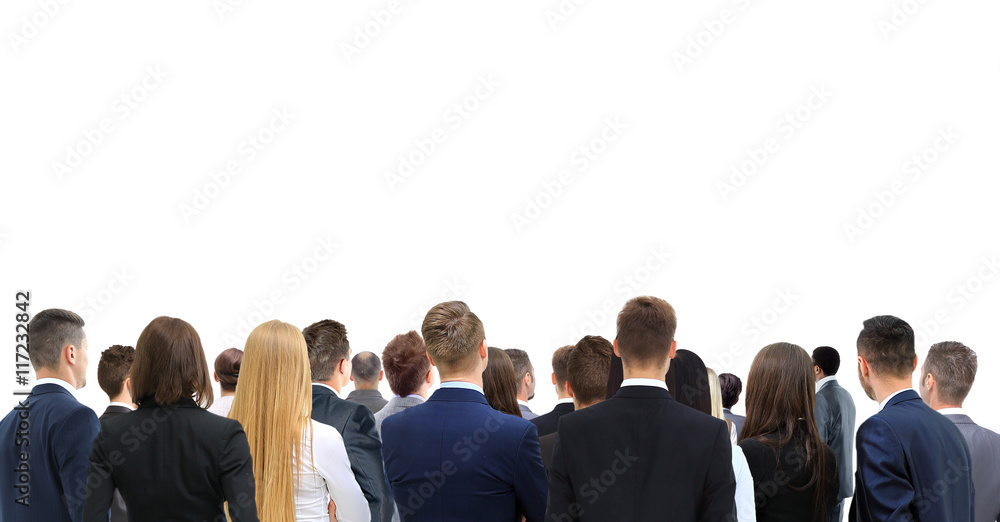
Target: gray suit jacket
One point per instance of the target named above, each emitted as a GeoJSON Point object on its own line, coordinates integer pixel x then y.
{"type": "Point", "coordinates": [835, 417]}
{"type": "Point", "coordinates": [395, 405]}
{"type": "Point", "coordinates": [984, 446]}
{"type": "Point", "coordinates": [371, 398]}
{"type": "Point", "coordinates": [526, 412]}
{"type": "Point", "coordinates": [737, 421]}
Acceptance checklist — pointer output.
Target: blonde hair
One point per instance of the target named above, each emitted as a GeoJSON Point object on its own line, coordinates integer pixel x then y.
{"type": "Point", "coordinates": [273, 403]}
{"type": "Point", "coordinates": [715, 390]}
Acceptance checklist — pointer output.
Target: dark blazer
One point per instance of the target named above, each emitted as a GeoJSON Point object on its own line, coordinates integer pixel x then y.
{"type": "Point", "coordinates": [835, 419]}
{"type": "Point", "coordinates": [984, 447]}
{"type": "Point", "coordinates": [119, 513]}
{"type": "Point", "coordinates": [113, 411]}
{"type": "Point", "coordinates": [371, 398]}
{"type": "Point", "coordinates": [172, 463]}
{"type": "Point", "coordinates": [55, 444]}
{"type": "Point", "coordinates": [737, 420]}
{"type": "Point", "coordinates": [641, 455]}
{"type": "Point", "coordinates": [779, 479]}
{"type": "Point", "coordinates": [456, 459]}
{"type": "Point", "coordinates": [550, 421]}
{"type": "Point", "coordinates": [526, 412]}
{"type": "Point", "coordinates": [904, 452]}
{"type": "Point", "coordinates": [547, 442]}
{"type": "Point", "coordinates": [356, 424]}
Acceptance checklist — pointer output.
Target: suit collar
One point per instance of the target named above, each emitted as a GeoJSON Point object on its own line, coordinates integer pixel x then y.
{"type": "Point", "coordinates": [564, 407]}
{"type": "Point", "coordinates": [827, 382]}
{"type": "Point", "coordinates": [50, 385]}
{"type": "Point", "coordinates": [642, 392]}
{"type": "Point", "coordinates": [324, 389]}
{"type": "Point", "coordinates": [960, 419]}
{"type": "Point", "coordinates": [457, 395]}
{"type": "Point", "coordinates": [404, 401]}
{"type": "Point", "coordinates": [908, 394]}
{"type": "Point", "coordinates": [365, 393]}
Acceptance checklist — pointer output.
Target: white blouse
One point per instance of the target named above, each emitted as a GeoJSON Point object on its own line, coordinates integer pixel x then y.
{"type": "Point", "coordinates": [746, 504]}
{"type": "Point", "coordinates": [221, 405]}
{"type": "Point", "coordinates": [330, 477]}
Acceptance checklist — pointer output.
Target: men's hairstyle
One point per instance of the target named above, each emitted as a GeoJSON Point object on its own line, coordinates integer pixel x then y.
{"type": "Point", "coordinates": [731, 387]}
{"type": "Point", "coordinates": [521, 362]}
{"type": "Point", "coordinates": [954, 366]}
{"type": "Point", "coordinates": [51, 330]}
{"type": "Point", "coordinates": [406, 364]}
{"type": "Point", "coordinates": [114, 367]}
{"type": "Point", "coordinates": [227, 368]}
{"type": "Point", "coordinates": [588, 365]}
{"type": "Point", "coordinates": [365, 367]}
{"type": "Point", "coordinates": [828, 360]}
{"type": "Point", "coordinates": [886, 342]}
{"type": "Point", "coordinates": [170, 364]}
{"type": "Point", "coordinates": [327, 344]}
{"type": "Point", "coordinates": [559, 360]}
{"type": "Point", "coordinates": [453, 335]}
{"type": "Point", "coordinates": [500, 383]}
{"type": "Point", "coordinates": [646, 327]}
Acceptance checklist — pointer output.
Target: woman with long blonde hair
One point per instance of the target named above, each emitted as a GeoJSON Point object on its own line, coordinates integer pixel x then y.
{"type": "Point", "coordinates": [299, 465]}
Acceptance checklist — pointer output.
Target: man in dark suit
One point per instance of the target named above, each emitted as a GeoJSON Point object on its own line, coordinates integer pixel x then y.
{"type": "Point", "coordinates": [525, 374]}
{"type": "Point", "coordinates": [366, 373]}
{"type": "Point", "coordinates": [947, 377]}
{"type": "Point", "coordinates": [330, 365]}
{"type": "Point", "coordinates": [548, 422]}
{"type": "Point", "coordinates": [835, 418]}
{"type": "Point", "coordinates": [48, 436]}
{"type": "Point", "coordinates": [641, 455]}
{"type": "Point", "coordinates": [732, 387]}
{"type": "Point", "coordinates": [454, 457]}
{"type": "Point", "coordinates": [113, 376]}
{"type": "Point", "coordinates": [913, 464]}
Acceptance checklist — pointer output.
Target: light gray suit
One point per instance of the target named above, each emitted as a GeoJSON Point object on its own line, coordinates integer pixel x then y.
{"type": "Point", "coordinates": [526, 412]}
{"type": "Point", "coordinates": [395, 405]}
{"type": "Point", "coordinates": [835, 417]}
{"type": "Point", "coordinates": [984, 447]}
{"type": "Point", "coordinates": [737, 420]}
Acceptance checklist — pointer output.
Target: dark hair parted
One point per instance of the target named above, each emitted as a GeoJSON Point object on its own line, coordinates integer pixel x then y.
{"type": "Point", "coordinates": [170, 364]}
{"type": "Point", "coordinates": [731, 387]}
{"type": "Point", "coordinates": [828, 360]}
{"type": "Point", "coordinates": [646, 327]}
{"type": "Point", "coordinates": [51, 330]}
{"type": "Point", "coordinates": [114, 368]}
{"type": "Point", "coordinates": [954, 367]}
{"type": "Point", "coordinates": [365, 367]}
{"type": "Point", "coordinates": [500, 383]}
{"type": "Point", "coordinates": [453, 335]}
{"type": "Point", "coordinates": [327, 343]}
{"type": "Point", "coordinates": [227, 368]}
{"type": "Point", "coordinates": [406, 363]}
{"type": "Point", "coordinates": [886, 342]}
{"type": "Point", "coordinates": [587, 366]}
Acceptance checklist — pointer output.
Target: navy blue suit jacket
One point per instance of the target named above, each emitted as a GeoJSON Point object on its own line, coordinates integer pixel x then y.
{"type": "Point", "coordinates": [456, 459]}
{"type": "Point", "coordinates": [913, 465]}
{"type": "Point", "coordinates": [60, 432]}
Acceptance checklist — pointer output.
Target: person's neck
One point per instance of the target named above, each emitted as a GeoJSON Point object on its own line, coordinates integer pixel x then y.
{"type": "Point", "coordinates": [227, 393]}
{"type": "Point", "coordinates": [885, 388]}
{"type": "Point", "coordinates": [522, 396]}
{"type": "Point", "coordinates": [331, 382]}
{"type": "Point", "coordinates": [476, 379]}
{"type": "Point", "coordinates": [562, 394]}
{"type": "Point", "coordinates": [63, 374]}
{"type": "Point", "coordinates": [123, 398]}
{"type": "Point", "coordinates": [658, 374]}
{"type": "Point", "coordinates": [365, 386]}
{"type": "Point", "coordinates": [577, 406]}
{"type": "Point", "coordinates": [938, 405]}
{"type": "Point", "coordinates": [821, 376]}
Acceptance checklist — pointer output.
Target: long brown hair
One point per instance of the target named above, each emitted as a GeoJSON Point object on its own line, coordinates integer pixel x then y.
{"type": "Point", "coordinates": [170, 364]}
{"type": "Point", "coordinates": [781, 400]}
{"type": "Point", "coordinates": [500, 383]}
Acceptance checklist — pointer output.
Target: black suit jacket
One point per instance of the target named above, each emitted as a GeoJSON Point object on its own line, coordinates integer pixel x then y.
{"type": "Point", "coordinates": [171, 463]}
{"type": "Point", "coordinates": [550, 421]}
{"type": "Point", "coordinates": [547, 442]}
{"type": "Point", "coordinates": [113, 411]}
{"type": "Point", "coordinates": [118, 511]}
{"type": "Point", "coordinates": [356, 424]}
{"type": "Point", "coordinates": [641, 455]}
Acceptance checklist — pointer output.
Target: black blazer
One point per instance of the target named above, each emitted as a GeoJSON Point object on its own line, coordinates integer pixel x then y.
{"type": "Point", "coordinates": [172, 463]}
{"type": "Point", "coordinates": [119, 513]}
{"type": "Point", "coordinates": [550, 421]}
{"type": "Point", "coordinates": [779, 476]}
{"type": "Point", "coordinates": [113, 411]}
{"type": "Point", "coordinates": [641, 455]}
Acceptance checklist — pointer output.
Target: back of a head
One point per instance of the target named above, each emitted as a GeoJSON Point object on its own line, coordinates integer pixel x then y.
{"type": "Point", "coordinates": [365, 367]}
{"type": "Point", "coordinates": [588, 366]}
{"type": "Point", "coordinates": [327, 343]}
{"type": "Point", "coordinates": [687, 380]}
{"type": "Point", "coordinates": [646, 327]}
{"type": "Point", "coordinates": [453, 335]}
{"type": "Point", "coordinates": [559, 361]}
{"type": "Point", "coordinates": [887, 343]}
{"type": "Point", "coordinates": [406, 364]}
{"type": "Point", "coordinates": [170, 364]}
{"type": "Point", "coordinates": [500, 383]}
{"type": "Point", "coordinates": [731, 387]}
{"type": "Point", "coordinates": [715, 392]}
{"type": "Point", "coordinates": [114, 368]}
{"type": "Point", "coordinates": [522, 364]}
{"type": "Point", "coordinates": [954, 367]}
{"type": "Point", "coordinates": [227, 368]}
{"type": "Point", "coordinates": [51, 330]}
{"type": "Point", "coordinates": [828, 360]}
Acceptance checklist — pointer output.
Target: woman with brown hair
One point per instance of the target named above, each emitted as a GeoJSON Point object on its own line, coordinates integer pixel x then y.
{"type": "Point", "coordinates": [795, 473]}
{"type": "Point", "coordinates": [500, 383]}
{"type": "Point", "coordinates": [227, 372]}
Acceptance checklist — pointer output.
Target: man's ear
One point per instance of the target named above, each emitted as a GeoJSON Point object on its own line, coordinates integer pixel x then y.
{"type": "Point", "coordinates": [569, 389]}
{"type": "Point", "coordinates": [431, 359]}
{"type": "Point", "coordinates": [351, 377]}
{"type": "Point", "coordinates": [673, 349]}
{"type": "Point", "coordinates": [429, 378]}
{"type": "Point", "coordinates": [69, 353]}
{"type": "Point", "coordinates": [125, 385]}
{"type": "Point", "coordinates": [484, 351]}
{"type": "Point", "coordinates": [342, 368]}
{"type": "Point", "coordinates": [863, 365]}
{"type": "Point", "coordinates": [381, 375]}
{"type": "Point", "coordinates": [930, 382]}
{"type": "Point", "coordinates": [553, 379]}
{"type": "Point", "coordinates": [614, 345]}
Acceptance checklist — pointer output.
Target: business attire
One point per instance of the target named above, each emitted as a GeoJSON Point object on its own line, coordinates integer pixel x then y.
{"type": "Point", "coordinates": [395, 405]}
{"type": "Point", "coordinates": [115, 409]}
{"type": "Point", "coordinates": [641, 455]}
{"type": "Point", "coordinates": [371, 398]}
{"type": "Point", "coordinates": [174, 462]}
{"type": "Point", "coordinates": [356, 425]}
{"type": "Point", "coordinates": [455, 459]}
{"type": "Point", "coordinates": [324, 474]}
{"type": "Point", "coordinates": [547, 442]}
{"type": "Point", "coordinates": [913, 464]}
{"type": "Point", "coordinates": [780, 476]}
{"type": "Point", "coordinates": [119, 513]}
{"type": "Point", "coordinates": [548, 423]}
{"type": "Point", "coordinates": [835, 418]}
{"type": "Point", "coordinates": [221, 405]}
{"type": "Point", "coordinates": [526, 412]}
{"type": "Point", "coordinates": [737, 420]}
{"type": "Point", "coordinates": [746, 509]}
{"type": "Point", "coordinates": [984, 447]}
{"type": "Point", "coordinates": [53, 433]}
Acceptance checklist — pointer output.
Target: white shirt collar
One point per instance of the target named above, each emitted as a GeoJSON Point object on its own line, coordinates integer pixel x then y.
{"type": "Point", "coordinates": [327, 386]}
{"type": "Point", "coordinates": [882, 404]}
{"type": "Point", "coordinates": [60, 382]}
{"type": "Point", "coordinates": [644, 382]}
{"type": "Point", "coordinates": [410, 396]}
{"type": "Point", "coordinates": [463, 386]}
{"type": "Point", "coordinates": [123, 404]}
{"type": "Point", "coordinates": [952, 411]}
{"type": "Point", "coordinates": [568, 400]}
{"type": "Point", "coordinates": [824, 380]}
{"type": "Point", "coordinates": [522, 403]}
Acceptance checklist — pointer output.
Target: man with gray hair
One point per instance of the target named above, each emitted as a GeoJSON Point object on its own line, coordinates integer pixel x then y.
{"type": "Point", "coordinates": [366, 372]}
{"type": "Point", "coordinates": [524, 374]}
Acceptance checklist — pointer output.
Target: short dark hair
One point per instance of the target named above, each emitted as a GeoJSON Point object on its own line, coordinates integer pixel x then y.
{"type": "Point", "coordinates": [954, 366]}
{"type": "Point", "coordinates": [51, 330]}
{"type": "Point", "coordinates": [559, 360]}
{"type": "Point", "coordinates": [453, 335]}
{"type": "Point", "coordinates": [227, 368]}
{"type": "Point", "coordinates": [170, 364]}
{"type": "Point", "coordinates": [731, 387]}
{"type": "Point", "coordinates": [588, 365]}
{"type": "Point", "coordinates": [365, 367]}
{"type": "Point", "coordinates": [114, 367]}
{"type": "Point", "coordinates": [327, 343]}
{"type": "Point", "coordinates": [886, 342]}
{"type": "Point", "coordinates": [646, 327]}
{"type": "Point", "coordinates": [521, 362]}
{"type": "Point", "coordinates": [828, 360]}
{"type": "Point", "coordinates": [406, 363]}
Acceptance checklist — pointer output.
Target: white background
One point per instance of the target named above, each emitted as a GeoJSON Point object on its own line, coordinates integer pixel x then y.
{"type": "Point", "coordinates": [688, 114]}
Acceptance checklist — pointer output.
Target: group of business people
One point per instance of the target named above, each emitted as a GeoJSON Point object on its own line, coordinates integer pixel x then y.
{"type": "Point", "coordinates": [646, 438]}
